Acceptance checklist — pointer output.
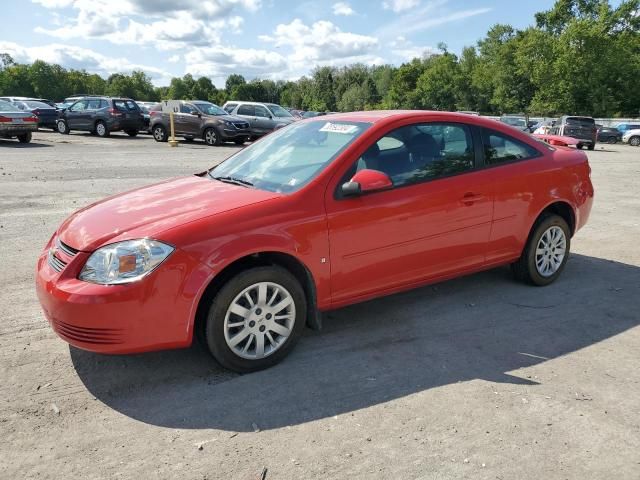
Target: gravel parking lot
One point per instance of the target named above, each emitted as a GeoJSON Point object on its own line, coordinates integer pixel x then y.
{"type": "Point", "coordinates": [479, 377]}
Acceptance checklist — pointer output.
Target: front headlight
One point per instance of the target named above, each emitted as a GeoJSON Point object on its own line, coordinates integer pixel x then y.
{"type": "Point", "coordinates": [228, 123]}
{"type": "Point", "coordinates": [124, 262]}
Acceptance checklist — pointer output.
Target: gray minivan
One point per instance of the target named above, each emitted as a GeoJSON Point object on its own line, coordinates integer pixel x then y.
{"type": "Point", "coordinates": [263, 118]}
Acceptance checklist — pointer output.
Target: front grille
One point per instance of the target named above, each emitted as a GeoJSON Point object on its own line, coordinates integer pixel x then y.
{"type": "Point", "coordinates": [101, 336]}
{"type": "Point", "coordinates": [241, 125]}
{"type": "Point", "coordinates": [67, 249]}
{"type": "Point", "coordinates": [55, 263]}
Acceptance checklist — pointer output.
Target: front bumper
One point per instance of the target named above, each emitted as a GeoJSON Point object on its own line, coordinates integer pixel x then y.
{"type": "Point", "coordinates": [154, 313]}
{"type": "Point", "coordinates": [234, 134]}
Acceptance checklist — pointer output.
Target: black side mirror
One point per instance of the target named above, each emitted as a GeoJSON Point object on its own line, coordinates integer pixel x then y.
{"type": "Point", "coordinates": [351, 189]}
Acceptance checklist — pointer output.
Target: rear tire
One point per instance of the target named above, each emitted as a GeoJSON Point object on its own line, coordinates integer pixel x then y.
{"type": "Point", "coordinates": [529, 268]}
{"type": "Point", "coordinates": [230, 314]}
{"type": "Point", "coordinates": [240, 141]}
{"type": "Point", "coordinates": [592, 147]}
{"type": "Point", "coordinates": [612, 140]}
{"type": "Point", "coordinates": [102, 130]}
{"type": "Point", "coordinates": [25, 137]}
{"type": "Point", "coordinates": [132, 133]}
{"type": "Point", "coordinates": [62, 127]}
{"type": "Point", "coordinates": [160, 133]}
{"type": "Point", "coordinates": [634, 141]}
{"type": "Point", "coordinates": [211, 137]}
{"type": "Point", "coordinates": [579, 146]}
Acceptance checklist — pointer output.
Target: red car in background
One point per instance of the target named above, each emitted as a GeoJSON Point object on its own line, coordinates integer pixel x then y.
{"type": "Point", "coordinates": [321, 214]}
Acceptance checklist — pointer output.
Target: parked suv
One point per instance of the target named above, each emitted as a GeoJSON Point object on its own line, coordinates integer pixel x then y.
{"type": "Point", "coordinates": [580, 128]}
{"type": "Point", "coordinates": [263, 118]}
{"type": "Point", "coordinates": [609, 135]}
{"type": "Point", "coordinates": [200, 119]}
{"type": "Point", "coordinates": [625, 127]}
{"type": "Point", "coordinates": [102, 115]}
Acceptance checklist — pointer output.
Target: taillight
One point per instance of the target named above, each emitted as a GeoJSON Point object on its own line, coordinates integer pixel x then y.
{"type": "Point", "coordinates": [31, 119]}
{"type": "Point", "coordinates": [115, 113]}
{"type": "Point", "coordinates": [4, 119]}
{"type": "Point", "coordinates": [154, 112]}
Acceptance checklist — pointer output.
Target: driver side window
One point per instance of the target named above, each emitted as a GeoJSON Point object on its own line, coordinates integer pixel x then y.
{"type": "Point", "coordinates": [78, 106]}
{"type": "Point", "coordinates": [262, 112]}
{"type": "Point", "coordinates": [418, 153]}
{"type": "Point", "coordinates": [186, 108]}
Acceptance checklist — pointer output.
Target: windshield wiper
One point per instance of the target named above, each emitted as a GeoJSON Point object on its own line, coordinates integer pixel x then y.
{"type": "Point", "coordinates": [233, 180]}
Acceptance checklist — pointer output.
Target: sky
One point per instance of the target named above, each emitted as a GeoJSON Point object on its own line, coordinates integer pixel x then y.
{"type": "Point", "coordinates": [276, 39]}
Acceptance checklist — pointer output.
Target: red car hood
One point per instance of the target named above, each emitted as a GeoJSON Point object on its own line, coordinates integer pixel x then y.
{"type": "Point", "coordinates": [147, 211]}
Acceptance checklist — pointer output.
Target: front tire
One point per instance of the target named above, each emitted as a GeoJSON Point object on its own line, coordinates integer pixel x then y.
{"type": "Point", "coordinates": [211, 137]}
{"type": "Point", "coordinates": [612, 140]}
{"type": "Point", "coordinates": [62, 127]}
{"type": "Point", "coordinates": [579, 146]}
{"type": "Point", "coordinates": [592, 147]}
{"type": "Point", "coordinates": [25, 137]}
{"type": "Point", "coordinates": [256, 319]}
{"type": "Point", "coordinates": [546, 252]}
{"type": "Point", "coordinates": [160, 133]}
{"type": "Point", "coordinates": [239, 141]}
{"type": "Point", "coordinates": [634, 141]}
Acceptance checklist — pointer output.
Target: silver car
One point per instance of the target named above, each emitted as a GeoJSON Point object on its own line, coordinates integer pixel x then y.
{"type": "Point", "coordinates": [263, 118]}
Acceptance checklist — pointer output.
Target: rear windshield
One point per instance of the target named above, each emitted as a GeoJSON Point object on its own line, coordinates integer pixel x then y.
{"type": "Point", "coordinates": [581, 121]}
{"type": "Point", "coordinates": [41, 105]}
{"type": "Point", "coordinates": [7, 107]}
{"type": "Point", "coordinates": [126, 105]}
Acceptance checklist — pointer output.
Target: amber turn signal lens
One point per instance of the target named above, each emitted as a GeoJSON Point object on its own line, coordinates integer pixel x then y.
{"type": "Point", "coordinates": [127, 263]}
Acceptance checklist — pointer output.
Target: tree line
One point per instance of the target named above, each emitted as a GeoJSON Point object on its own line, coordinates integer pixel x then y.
{"type": "Point", "coordinates": [580, 57]}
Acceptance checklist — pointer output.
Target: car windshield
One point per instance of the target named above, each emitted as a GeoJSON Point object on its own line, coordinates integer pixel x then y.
{"type": "Point", "coordinates": [278, 111]}
{"type": "Point", "coordinates": [580, 121]}
{"type": "Point", "coordinates": [7, 107]}
{"type": "Point", "coordinates": [289, 158]}
{"type": "Point", "coordinates": [210, 109]}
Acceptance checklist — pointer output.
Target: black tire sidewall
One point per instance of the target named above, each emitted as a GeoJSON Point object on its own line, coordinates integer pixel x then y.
{"type": "Point", "coordinates": [106, 129]}
{"type": "Point", "coordinates": [544, 224]}
{"type": "Point", "coordinates": [217, 140]}
{"type": "Point", "coordinates": [214, 329]}
{"type": "Point", "coordinates": [164, 133]}
{"type": "Point", "coordinates": [25, 137]}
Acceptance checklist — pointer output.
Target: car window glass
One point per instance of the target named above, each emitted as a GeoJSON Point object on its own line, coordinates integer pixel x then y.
{"type": "Point", "coordinates": [261, 111]}
{"type": "Point", "coordinates": [500, 148]}
{"type": "Point", "coordinates": [246, 110]}
{"type": "Point", "coordinates": [93, 104]}
{"type": "Point", "coordinates": [79, 106]}
{"type": "Point", "coordinates": [417, 153]}
{"type": "Point", "coordinates": [104, 104]}
{"type": "Point", "coordinates": [229, 107]}
{"type": "Point", "coordinates": [187, 108]}
{"type": "Point", "coordinates": [131, 106]}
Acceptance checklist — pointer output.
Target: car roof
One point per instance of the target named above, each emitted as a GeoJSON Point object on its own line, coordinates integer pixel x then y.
{"type": "Point", "coordinates": [375, 116]}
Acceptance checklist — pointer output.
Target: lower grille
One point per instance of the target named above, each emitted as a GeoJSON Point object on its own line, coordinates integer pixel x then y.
{"type": "Point", "coordinates": [241, 125]}
{"type": "Point", "coordinates": [100, 336]}
{"type": "Point", "coordinates": [55, 263]}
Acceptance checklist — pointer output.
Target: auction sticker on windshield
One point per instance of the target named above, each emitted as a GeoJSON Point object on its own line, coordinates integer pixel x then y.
{"type": "Point", "coordinates": [339, 128]}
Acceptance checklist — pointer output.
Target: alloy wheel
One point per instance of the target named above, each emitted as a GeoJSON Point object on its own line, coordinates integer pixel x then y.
{"type": "Point", "coordinates": [259, 320]}
{"type": "Point", "coordinates": [211, 137]}
{"type": "Point", "coordinates": [550, 251]}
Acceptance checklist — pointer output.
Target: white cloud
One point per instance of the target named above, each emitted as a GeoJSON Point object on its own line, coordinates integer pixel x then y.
{"type": "Point", "coordinates": [406, 50]}
{"type": "Point", "coordinates": [400, 5]}
{"type": "Point", "coordinates": [321, 41]}
{"type": "Point", "coordinates": [342, 8]}
{"type": "Point", "coordinates": [80, 59]}
{"type": "Point", "coordinates": [165, 24]}
{"type": "Point", "coordinates": [433, 14]}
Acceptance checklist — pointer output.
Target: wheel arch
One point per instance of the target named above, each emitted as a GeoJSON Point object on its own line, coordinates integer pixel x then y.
{"type": "Point", "coordinates": [561, 208]}
{"type": "Point", "coordinates": [265, 258]}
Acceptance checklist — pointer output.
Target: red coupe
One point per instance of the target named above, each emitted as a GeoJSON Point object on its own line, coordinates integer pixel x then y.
{"type": "Point", "coordinates": [318, 215]}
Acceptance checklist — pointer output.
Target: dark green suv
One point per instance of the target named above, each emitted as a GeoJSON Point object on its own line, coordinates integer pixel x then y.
{"type": "Point", "coordinates": [102, 115]}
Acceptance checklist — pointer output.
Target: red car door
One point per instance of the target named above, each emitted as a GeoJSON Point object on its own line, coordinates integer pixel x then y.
{"type": "Point", "coordinates": [434, 222]}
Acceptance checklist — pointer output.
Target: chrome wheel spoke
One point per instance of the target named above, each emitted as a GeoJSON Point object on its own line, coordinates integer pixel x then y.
{"type": "Point", "coordinates": [279, 329]}
{"type": "Point", "coordinates": [241, 335]}
{"type": "Point", "coordinates": [259, 320]}
{"type": "Point", "coordinates": [550, 251]}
